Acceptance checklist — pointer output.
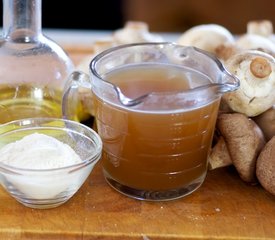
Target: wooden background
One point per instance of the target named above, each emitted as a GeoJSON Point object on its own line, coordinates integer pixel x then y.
{"type": "Point", "coordinates": [180, 15]}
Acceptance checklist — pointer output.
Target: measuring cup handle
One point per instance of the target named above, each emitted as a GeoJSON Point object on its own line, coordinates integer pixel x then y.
{"type": "Point", "coordinates": [77, 82]}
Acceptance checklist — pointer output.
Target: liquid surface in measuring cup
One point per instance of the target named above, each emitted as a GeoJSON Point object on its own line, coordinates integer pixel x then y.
{"type": "Point", "coordinates": [155, 150]}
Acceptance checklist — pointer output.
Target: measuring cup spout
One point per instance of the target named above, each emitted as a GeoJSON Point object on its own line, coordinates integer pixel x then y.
{"type": "Point", "coordinates": [210, 66]}
{"type": "Point", "coordinates": [230, 82]}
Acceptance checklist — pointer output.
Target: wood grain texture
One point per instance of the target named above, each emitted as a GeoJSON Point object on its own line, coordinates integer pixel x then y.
{"type": "Point", "coordinates": [223, 208]}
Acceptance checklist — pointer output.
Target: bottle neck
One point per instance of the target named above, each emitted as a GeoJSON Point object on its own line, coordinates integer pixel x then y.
{"type": "Point", "coordinates": [21, 20]}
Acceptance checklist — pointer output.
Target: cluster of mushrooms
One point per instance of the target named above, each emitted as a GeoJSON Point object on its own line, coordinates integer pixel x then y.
{"type": "Point", "coordinates": [245, 128]}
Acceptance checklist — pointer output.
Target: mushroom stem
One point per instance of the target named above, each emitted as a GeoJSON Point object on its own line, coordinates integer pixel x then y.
{"type": "Point", "coordinates": [219, 156]}
{"type": "Point", "coordinates": [262, 27]}
{"type": "Point", "coordinates": [260, 67]}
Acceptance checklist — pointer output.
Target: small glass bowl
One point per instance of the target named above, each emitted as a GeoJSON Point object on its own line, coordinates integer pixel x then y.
{"type": "Point", "coordinates": [48, 188]}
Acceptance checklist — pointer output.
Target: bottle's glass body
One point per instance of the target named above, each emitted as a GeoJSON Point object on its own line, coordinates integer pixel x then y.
{"type": "Point", "coordinates": [33, 68]}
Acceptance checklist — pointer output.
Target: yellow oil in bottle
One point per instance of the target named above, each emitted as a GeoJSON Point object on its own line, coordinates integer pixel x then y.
{"type": "Point", "coordinates": [27, 101]}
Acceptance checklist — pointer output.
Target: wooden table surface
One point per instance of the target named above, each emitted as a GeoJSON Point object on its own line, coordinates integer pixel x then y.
{"type": "Point", "coordinates": [224, 207]}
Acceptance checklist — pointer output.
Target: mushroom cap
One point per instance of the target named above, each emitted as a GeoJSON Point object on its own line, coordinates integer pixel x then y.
{"type": "Point", "coordinates": [135, 31]}
{"type": "Point", "coordinates": [254, 41]}
{"type": "Point", "coordinates": [226, 51]}
{"type": "Point", "coordinates": [256, 71]}
{"type": "Point", "coordinates": [265, 169]}
{"type": "Point", "coordinates": [244, 140]}
{"type": "Point", "coordinates": [207, 37]}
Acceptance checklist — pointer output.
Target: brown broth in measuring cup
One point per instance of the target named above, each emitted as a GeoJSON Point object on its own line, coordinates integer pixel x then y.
{"type": "Point", "coordinates": [155, 150]}
{"type": "Point", "coordinates": [155, 105]}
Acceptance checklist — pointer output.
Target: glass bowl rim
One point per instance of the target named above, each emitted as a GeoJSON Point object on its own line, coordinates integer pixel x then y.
{"type": "Point", "coordinates": [71, 168]}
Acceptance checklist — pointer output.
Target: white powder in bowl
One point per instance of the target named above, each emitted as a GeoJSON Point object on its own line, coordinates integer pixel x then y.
{"type": "Point", "coordinates": [42, 152]}
{"type": "Point", "coordinates": [38, 151]}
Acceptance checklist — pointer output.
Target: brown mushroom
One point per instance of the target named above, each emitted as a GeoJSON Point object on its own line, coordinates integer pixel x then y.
{"type": "Point", "coordinates": [266, 121]}
{"type": "Point", "coordinates": [265, 168]}
{"type": "Point", "coordinates": [244, 140]}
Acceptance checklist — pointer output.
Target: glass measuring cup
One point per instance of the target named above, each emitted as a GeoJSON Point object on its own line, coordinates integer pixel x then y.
{"type": "Point", "coordinates": [155, 106]}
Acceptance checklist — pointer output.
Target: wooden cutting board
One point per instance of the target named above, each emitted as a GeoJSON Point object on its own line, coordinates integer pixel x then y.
{"type": "Point", "coordinates": [224, 207]}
